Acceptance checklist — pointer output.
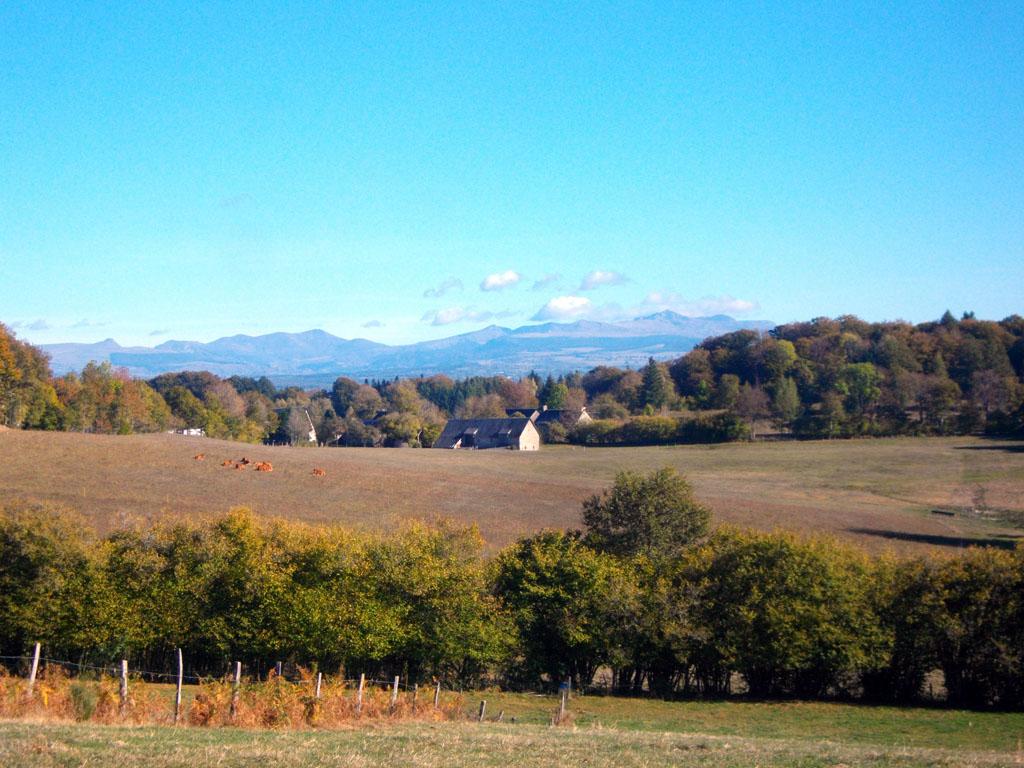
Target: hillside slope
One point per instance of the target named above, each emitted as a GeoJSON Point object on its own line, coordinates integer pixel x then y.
{"type": "Point", "coordinates": [877, 492]}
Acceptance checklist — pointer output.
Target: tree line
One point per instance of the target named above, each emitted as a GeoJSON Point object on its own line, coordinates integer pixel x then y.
{"type": "Point", "coordinates": [845, 377]}
{"type": "Point", "coordinates": [644, 592]}
{"type": "Point", "coordinates": [825, 378]}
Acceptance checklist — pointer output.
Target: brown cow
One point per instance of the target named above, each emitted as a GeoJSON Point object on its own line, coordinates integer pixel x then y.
{"type": "Point", "coordinates": [227, 463]}
{"type": "Point", "coordinates": [264, 466]}
{"type": "Point", "coordinates": [319, 472]}
{"type": "Point", "coordinates": [244, 461]}
{"type": "Point", "coordinates": [239, 466]}
{"type": "Point", "coordinates": [200, 457]}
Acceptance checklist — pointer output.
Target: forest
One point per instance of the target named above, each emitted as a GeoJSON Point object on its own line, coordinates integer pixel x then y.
{"type": "Point", "coordinates": [646, 598]}
{"type": "Point", "coordinates": [827, 378]}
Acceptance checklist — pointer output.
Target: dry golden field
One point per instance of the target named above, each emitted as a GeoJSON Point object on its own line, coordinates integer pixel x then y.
{"type": "Point", "coordinates": [881, 493]}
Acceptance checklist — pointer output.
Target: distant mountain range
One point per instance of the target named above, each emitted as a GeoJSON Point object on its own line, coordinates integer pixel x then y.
{"type": "Point", "coordinates": [316, 357]}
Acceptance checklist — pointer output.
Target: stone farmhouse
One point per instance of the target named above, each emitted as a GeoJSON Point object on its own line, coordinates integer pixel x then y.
{"type": "Point", "coordinates": [517, 434]}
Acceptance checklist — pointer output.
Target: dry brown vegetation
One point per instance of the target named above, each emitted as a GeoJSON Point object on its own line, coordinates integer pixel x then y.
{"type": "Point", "coordinates": [274, 703]}
{"type": "Point", "coordinates": [879, 492]}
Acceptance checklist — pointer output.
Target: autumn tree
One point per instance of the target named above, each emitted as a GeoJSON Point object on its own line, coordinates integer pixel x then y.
{"type": "Point", "coordinates": [10, 376]}
{"type": "Point", "coordinates": [751, 404]}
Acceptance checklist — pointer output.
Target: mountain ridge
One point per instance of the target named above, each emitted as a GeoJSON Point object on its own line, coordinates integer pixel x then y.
{"type": "Point", "coordinates": [318, 357]}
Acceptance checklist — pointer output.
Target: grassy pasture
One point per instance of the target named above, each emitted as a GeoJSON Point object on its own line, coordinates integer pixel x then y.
{"type": "Point", "coordinates": [880, 493]}
{"type": "Point", "coordinates": [606, 732]}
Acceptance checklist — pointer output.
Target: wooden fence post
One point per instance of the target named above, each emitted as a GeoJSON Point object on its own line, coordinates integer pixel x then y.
{"type": "Point", "coordinates": [35, 668]}
{"type": "Point", "coordinates": [437, 695]}
{"type": "Point", "coordinates": [415, 695]}
{"type": "Point", "coordinates": [236, 689]}
{"type": "Point", "coordinates": [319, 680]}
{"type": "Point", "coordinates": [359, 695]}
{"type": "Point", "coordinates": [278, 669]}
{"type": "Point", "coordinates": [483, 708]}
{"type": "Point", "coordinates": [394, 693]}
{"type": "Point", "coordinates": [177, 692]}
{"type": "Point", "coordinates": [563, 705]}
{"type": "Point", "coordinates": [124, 684]}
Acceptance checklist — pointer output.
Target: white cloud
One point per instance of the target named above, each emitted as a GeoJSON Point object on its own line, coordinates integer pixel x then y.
{"type": "Point", "coordinates": [500, 280]}
{"type": "Point", "coordinates": [160, 332]}
{"type": "Point", "coordinates": [39, 325]}
{"type": "Point", "coordinates": [86, 323]}
{"type": "Point", "coordinates": [543, 282]}
{"type": "Point", "coordinates": [702, 307]}
{"type": "Point", "coordinates": [563, 308]}
{"type": "Point", "coordinates": [373, 324]}
{"type": "Point", "coordinates": [456, 315]}
{"type": "Point", "coordinates": [599, 277]}
{"type": "Point", "coordinates": [445, 286]}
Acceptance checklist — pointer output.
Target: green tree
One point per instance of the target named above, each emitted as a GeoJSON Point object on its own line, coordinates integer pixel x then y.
{"type": "Point", "coordinates": [776, 358]}
{"type": "Point", "coordinates": [553, 393]}
{"type": "Point", "coordinates": [908, 605]}
{"type": "Point", "coordinates": [860, 384]}
{"type": "Point", "coordinates": [42, 408]}
{"type": "Point", "coordinates": [45, 577]}
{"type": "Point", "coordinates": [728, 391]}
{"type": "Point", "coordinates": [656, 391]}
{"type": "Point", "coordinates": [793, 617]}
{"type": "Point", "coordinates": [185, 406]}
{"type": "Point", "coordinates": [343, 392]}
{"type": "Point", "coordinates": [785, 401]}
{"type": "Point", "coordinates": [401, 429]}
{"type": "Point", "coordinates": [566, 601]}
{"type": "Point", "coordinates": [979, 645]}
{"type": "Point", "coordinates": [655, 515]}
{"type": "Point", "coordinates": [451, 626]}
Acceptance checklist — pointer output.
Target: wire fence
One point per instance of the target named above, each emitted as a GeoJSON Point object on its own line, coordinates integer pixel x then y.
{"type": "Point", "coordinates": [287, 695]}
{"type": "Point", "coordinates": [114, 670]}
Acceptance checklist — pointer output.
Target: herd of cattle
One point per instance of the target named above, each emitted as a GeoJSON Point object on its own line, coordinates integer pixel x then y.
{"type": "Point", "coordinates": [259, 466]}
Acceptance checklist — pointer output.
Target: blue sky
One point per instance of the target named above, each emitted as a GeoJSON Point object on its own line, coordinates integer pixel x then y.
{"type": "Point", "coordinates": [416, 170]}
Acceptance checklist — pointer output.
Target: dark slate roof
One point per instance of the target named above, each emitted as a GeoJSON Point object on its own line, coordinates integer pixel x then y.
{"type": "Point", "coordinates": [559, 414]}
{"type": "Point", "coordinates": [530, 413]}
{"type": "Point", "coordinates": [482, 433]}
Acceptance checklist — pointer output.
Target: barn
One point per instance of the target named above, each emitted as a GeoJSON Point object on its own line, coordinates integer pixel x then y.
{"type": "Point", "coordinates": [481, 434]}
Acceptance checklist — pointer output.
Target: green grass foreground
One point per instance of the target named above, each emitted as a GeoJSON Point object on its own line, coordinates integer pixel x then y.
{"type": "Point", "coordinates": [605, 732]}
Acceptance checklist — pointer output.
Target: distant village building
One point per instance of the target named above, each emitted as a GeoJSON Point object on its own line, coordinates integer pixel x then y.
{"type": "Point", "coordinates": [568, 417]}
{"type": "Point", "coordinates": [188, 431]}
{"type": "Point", "coordinates": [517, 434]}
{"type": "Point", "coordinates": [311, 435]}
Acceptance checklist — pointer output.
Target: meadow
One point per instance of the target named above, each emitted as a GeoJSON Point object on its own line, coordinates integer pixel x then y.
{"type": "Point", "coordinates": [881, 493]}
{"type": "Point", "coordinates": [605, 732]}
